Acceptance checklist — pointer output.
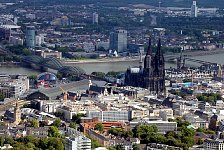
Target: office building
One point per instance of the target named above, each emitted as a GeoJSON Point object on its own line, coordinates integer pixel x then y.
{"type": "Point", "coordinates": [95, 18]}
{"type": "Point", "coordinates": [194, 9]}
{"type": "Point", "coordinates": [213, 144]}
{"type": "Point", "coordinates": [118, 40]}
{"type": "Point", "coordinates": [163, 126]}
{"type": "Point", "coordinates": [77, 143]}
{"type": "Point", "coordinates": [30, 36]}
{"type": "Point", "coordinates": [111, 116]}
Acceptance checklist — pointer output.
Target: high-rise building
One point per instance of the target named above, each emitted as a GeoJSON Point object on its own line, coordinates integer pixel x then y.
{"type": "Point", "coordinates": [194, 9]}
{"type": "Point", "coordinates": [30, 36]}
{"type": "Point", "coordinates": [95, 18]}
{"type": "Point", "coordinates": [118, 40]}
{"type": "Point", "coordinates": [77, 143]}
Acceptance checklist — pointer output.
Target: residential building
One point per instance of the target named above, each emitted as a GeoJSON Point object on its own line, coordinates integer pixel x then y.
{"type": "Point", "coordinates": [214, 144]}
{"type": "Point", "coordinates": [77, 143]}
{"type": "Point", "coordinates": [95, 18]}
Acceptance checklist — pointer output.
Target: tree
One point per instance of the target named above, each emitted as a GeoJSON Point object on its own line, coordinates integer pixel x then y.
{"type": "Point", "coordinates": [72, 125]}
{"type": "Point", "coordinates": [32, 77]}
{"type": "Point", "coordinates": [57, 123]}
{"type": "Point", "coordinates": [135, 147]}
{"type": "Point", "coordinates": [2, 97]}
{"type": "Point", "coordinates": [34, 123]}
{"type": "Point", "coordinates": [143, 131]}
{"type": "Point", "coordinates": [9, 140]}
{"type": "Point", "coordinates": [95, 144]}
{"type": "Point", "coordinates": [77, 118]}
{"type": "Point", "coordinates": [43, 143]}
{"type": "Point", "coordinates": [112, 73]}
{"type": "Point", "coordinates": [119, 147]}
{"type": "Point", "coordinates": [30, 145]}
{"type": "Point", "coordinates": [56, 143]}
{"type": "Point", "coordinates": [53, 132]}
{"type": "Point", "coordinates": [99, 74]}
{"type": "Point", "coordinates": [26, 52]}
{"type": "Point", "coordinates": [101, 48]}
{"type": "Point", "coordinates": [99, 127]}
{"type": "Point", "coordinates": [2, 141]}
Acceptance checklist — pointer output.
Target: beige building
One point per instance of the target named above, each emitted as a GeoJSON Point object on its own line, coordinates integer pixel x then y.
{"type": "Point", "coordinates": [48, 53]}
{"type": "Point", "coordinates": [17, 114]}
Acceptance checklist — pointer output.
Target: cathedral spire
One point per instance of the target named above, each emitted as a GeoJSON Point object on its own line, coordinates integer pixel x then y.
{"type": "Point", "coordinates": [149, 51]}
{"type": "Point", "coordinates": [159, 48]}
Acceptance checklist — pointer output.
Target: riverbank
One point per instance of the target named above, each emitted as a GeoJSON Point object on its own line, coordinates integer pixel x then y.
{"type": "Point", "coordinates": [136, 58]}
{"type": "Point", "coordinates": [10, 63]}
{"type": "Point", "coordinates": [102, 60]}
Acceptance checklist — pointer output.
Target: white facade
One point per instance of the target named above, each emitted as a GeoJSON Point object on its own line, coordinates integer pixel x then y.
{"type": "Point", "coordinates": [211, 144]}
{"type": "Point", "coordinates": [39, 40]}
{"type": "Point", "coordinates": [89, 47]}
{"type": "Point", "coordinates": [163, 126]}
{"type": "Point", "coordinates": [194, 9]}
{"type": "Point", "coordinates": [19, 86]}
{"type": "Point", "coordinates": [77, 143]}
{"type": "Point", "coordinates": [15, 40]}
{"type": "Point", "coordinates": [113, 116]}
{"type": "Point", "coordinates": [31, 16]}
{"type": "Point", "coordinates": [95, 18]}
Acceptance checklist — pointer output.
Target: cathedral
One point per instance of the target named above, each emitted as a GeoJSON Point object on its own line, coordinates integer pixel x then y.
{"type": "Point", "coordinates": [150, 76]}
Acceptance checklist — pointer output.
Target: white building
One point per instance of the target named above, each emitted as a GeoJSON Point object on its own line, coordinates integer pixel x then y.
{"type": "Point", "coordinates": [30, 16]}
{"type": "Point", "coordinates": [15, 40]}
{"type": "Point", "coordinates": [77, 143]}
{"type": "Point", "coordinates": [88, 46]}
{"type": "Point", "coordinates": [39, 40]}
{"type": "Point", "coordinates": [163, 126]}
{"type": "Point", "coordinates": [95, 18]}
{"type": "Point", "coordinates": [214, 144]}
{"type": "Point", "coordinates": [194, 9]}
{"type": "Point", "coordinates": [104, 44]}
{"type": "Point", "coordinates": [122, 116]}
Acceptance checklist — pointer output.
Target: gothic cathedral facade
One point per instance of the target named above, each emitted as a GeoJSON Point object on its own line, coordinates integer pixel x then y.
{"type": "Point", "coordinates": [150, 76]}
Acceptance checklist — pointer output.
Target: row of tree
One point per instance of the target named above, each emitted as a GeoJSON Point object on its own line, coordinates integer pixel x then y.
{"type": "Point", "coordinates": [209, 97]}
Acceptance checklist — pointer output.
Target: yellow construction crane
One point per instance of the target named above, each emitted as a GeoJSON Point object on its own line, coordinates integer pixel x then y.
{"type": "Point", "coordinates": [65, 95]}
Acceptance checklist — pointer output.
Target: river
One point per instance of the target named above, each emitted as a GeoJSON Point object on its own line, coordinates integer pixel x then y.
{"type": "Point", "coordinates": [110, 66]}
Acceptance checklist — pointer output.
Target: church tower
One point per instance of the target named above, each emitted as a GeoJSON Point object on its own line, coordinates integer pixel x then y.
{"type": "Point", "coordinates": [148, 68]}
{"type": "Point", "coordinates": [17, 114]}
{"type": "Point", "coordinates": [159, 71]}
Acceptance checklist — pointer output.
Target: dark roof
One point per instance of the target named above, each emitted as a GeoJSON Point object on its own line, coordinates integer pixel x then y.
{"type": "Point", "coordinates": [33, 59]}
{"type": "Point", "coordinates": [52, 62]}
{"type": "Point", "coordinates": [97, 89]}
{"type": "Point", "coordinates": [71, 70]}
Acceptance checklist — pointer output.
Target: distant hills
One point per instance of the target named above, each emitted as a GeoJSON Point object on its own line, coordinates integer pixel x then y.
{"type": "Point", "coordinates": [164, 3]}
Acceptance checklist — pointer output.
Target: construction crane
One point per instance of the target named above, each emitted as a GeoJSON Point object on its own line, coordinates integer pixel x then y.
{"type": "Point", "coordinates": [65, 95]}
